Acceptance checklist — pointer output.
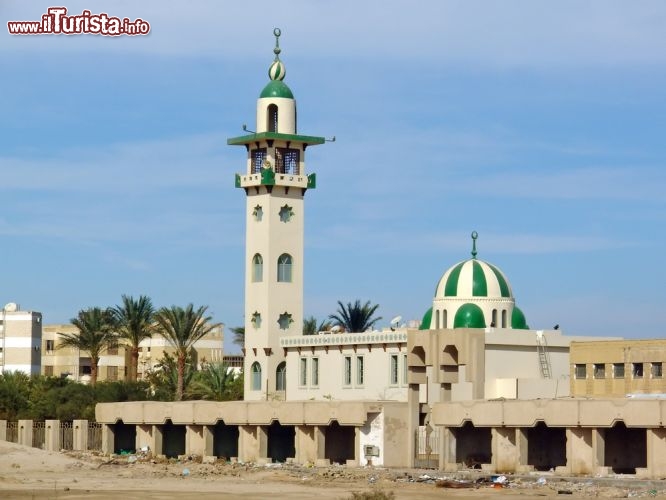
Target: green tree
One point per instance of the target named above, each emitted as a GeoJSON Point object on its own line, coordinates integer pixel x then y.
{"type": "Point", "coordinates": [14, 394]}
{"type": "Point", "coordinates": [163, 378]}
{"type": "Point", "coordinates": [96, 334]}
{"type": "Point", "coordinates": [239, 336]}
{"type": "Point", "coordinates": [182, 327]}
{"type": "Point", "coordinates": [134, 318]}
{"type": "Point", "coordinates": [214, 382]}
{"type": "Point", "coordinates": [310, 326]}
{"type": "Point", "coordinates": [355, 318]}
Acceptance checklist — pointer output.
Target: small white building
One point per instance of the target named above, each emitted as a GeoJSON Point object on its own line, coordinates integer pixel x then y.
{"type": "Point", "coordinates": [20, 340]}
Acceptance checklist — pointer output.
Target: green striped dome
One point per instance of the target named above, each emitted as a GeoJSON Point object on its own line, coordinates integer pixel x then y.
{"type": "Point", "coordinates": [469, 316]}
{"type": "Point", "coordinates": [473, 278]}
{"type": "Point", "coordinates": [518, 321]}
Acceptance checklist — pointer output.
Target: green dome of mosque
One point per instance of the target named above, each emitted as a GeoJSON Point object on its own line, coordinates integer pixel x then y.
{"type": "Point", "coordinates": [518, 321]}
{"type": "Point", "coordinates": [277, 88]}
{"type": "Point", "coordinates": [427, 318]}
{"type": "Point", "coordinates": [469, 316]}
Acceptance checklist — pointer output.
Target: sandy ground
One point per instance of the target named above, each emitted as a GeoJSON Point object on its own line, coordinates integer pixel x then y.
{"type": "Point", "coordinates": [31, 473]}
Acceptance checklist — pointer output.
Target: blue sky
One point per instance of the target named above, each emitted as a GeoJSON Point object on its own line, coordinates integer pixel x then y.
{"type": "Point", "coordinates": [538, 124]}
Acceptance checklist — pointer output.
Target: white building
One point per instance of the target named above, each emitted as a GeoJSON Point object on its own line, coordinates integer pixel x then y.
{"type": "Point", "coordinates": [20, 340]}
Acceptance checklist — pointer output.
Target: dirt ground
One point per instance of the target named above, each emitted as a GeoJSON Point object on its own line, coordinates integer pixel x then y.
{"type": "Point", "coordinates": [27, 473]}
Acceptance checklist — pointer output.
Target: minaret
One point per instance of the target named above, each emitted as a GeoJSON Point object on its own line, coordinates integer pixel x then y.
{"type": "Point", "coordinates": [275, 182]}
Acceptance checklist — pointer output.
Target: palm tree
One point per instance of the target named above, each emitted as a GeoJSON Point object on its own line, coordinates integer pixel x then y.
{"type": "Point", "coordinates": [310, 326]}
{"type": "Point", "coordinates": [239, 336]}
{"type": "Point", "coordinates": [213, 382]}
{"type": "Point", "coordinates": [96, 334]}
{"type": "Point", "coordinates": [355, 317]}
{"type": "Point", "coordinates": [182, 327]}
{"type": "Point", "coordinates": [134, 319]}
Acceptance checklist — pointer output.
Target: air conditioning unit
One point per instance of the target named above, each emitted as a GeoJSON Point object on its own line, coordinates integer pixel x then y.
{"type": "Point", "coordinates": [371, 451]}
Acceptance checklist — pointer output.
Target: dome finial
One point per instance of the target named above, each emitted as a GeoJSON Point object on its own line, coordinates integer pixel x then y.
{"type": "Point", "coordinates": [475, 235]}
{"type": "Point", "coordinates": [277, 70]}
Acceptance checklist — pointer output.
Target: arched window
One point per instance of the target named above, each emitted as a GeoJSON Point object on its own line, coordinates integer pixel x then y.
{"type": "Point", "coordinates": [256, 377]}
{"type": "Point", "coordinates": [257, 268]}
{"type": "Point", "coordinates": [444, 319]}
{"type": "Point", "coordinates": [493, 320]}
{"type": "Point", "coordinates": [281, 377]}
{"type": "Point", "coordinates": [272, 118]}
{"type": "Point", "coordinates": [437, 320]}
{"type": "Point", "coordinates": [504, 318]}
{"type": "Point", "coordinates": [284, 268]}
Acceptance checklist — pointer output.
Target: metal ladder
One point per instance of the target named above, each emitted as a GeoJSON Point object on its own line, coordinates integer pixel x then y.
{"type": "Point", "coordinates": [542, 350]}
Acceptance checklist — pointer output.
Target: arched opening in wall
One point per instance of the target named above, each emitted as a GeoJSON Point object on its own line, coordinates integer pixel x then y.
{"type": "Point", "coordinates": [257, 158]}
{"type": "Point", "coordinates": [493, 319]}
{"type": "Point", "coordinates": [437, 319]}
{"type": "Point", "coordinates": [473, 445]}
{"type": "Point", "coordinates": [257, 268]}
{"type": "Point", "coordinates": [626, 449]}
{"type": "Point", "coordinates": [287, 161]}
{"type": "Point", "coordinates": [272, 118]}
{"type": "Point", "coordinates": [339, 443]}
{"type": "Point", "coordinates": [445, 319]}
{"type": "Point", "coordinates": [173, 439]}
{"type": "Point", "coordinates": [124, 437]}
{"type": "Point", "coordinates": [281, 441]}
{"type": "Point", "coordinates": [225, 440]}
{"type": "Point", "coordinates": [503, 318]}
{"type": "Point", "coordinates": [255, 376]}
{"type": "Point", "coordinates": [546, 447]}
{"type": "Point", "coordinates": [284, 268]}
{"type": "Point", "coordinates": [281, 377]}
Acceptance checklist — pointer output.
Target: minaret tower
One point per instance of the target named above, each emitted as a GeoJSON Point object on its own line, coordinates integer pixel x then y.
{"type": "Point", "coordinates": [275, 182]}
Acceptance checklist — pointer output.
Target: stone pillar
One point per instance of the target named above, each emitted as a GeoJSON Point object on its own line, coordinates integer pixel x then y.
{"type": "Point", "coordinates": [505, 452]}
{"type": "Point", "coordinates": [305, 443]}
{"type": "Point", "coordinates": [320, 442]}
{"type": "Point", "coordinates": [252, 443]}
{"type": "Point", "coordinates": [52, 440]}
{"type": "Point", "coordinates": [355, 462]}
{"type": "Point", "coordinates": [656, 452]}
{"type": "Point", "coordinates": [158, 440]}
{"type": "Point", "coordinates": [3, 430]}
{"type": "Point", "coordinates": [521, 447]}
{"type": "Point", "coordinates": [447, 454]}
{"type": "Point", "coordinates": [25, 432]}
{"type": "Point", "coordinates": [580, 451]}
{"type": "Point", "coordinates": [599, 451]}
{"type": "Point", "coordinates": [194, 440]}
{"type": "Point", "coordinates": [108, 439]}
{"type": "Point", "coordinates": [145, 437]}
{"type": "Point", "coordinates": [80, 435]}
{"type": "Point", "coordinates": [208, 440]}
{"type": "Point", "coordinates": [412, 422]}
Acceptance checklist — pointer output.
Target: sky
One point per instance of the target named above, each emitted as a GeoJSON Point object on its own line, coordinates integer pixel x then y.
{"type": "Point", "coordinates": [540, 125]}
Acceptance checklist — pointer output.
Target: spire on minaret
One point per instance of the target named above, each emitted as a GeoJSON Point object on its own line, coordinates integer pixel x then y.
{"type": "Point", "coordinates": [475, 235]}
{"type": "Point", "coordinates": [277, 70]}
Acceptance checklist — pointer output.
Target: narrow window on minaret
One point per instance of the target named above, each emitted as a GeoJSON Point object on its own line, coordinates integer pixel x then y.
{"type": "Point", "coordinates": [286, 213]}
{"type": "Point", "coordinates": [258, 157]}
{"type": "Point", "coordinates": [257, 268]}
{"type": "Point", "coordinates": [287, 161]}
{"type": "Point", "coordinates": [256, 377]}
{"type": "Point", "coordinates": [284, 268]}
{"type": "Point", "coordinates": [281, 377]}
{"type": "Point", "coordinates": [272, 118]}
{"type": "Point", "coordinates": [258, 213]}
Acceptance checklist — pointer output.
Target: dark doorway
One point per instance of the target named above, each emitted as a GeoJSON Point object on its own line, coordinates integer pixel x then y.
{"type": "Point", "coordinates": [225, 440]}
{"type": "Point", "coordinates": [281, 442]}
{"type": "Point", "coordinates": [124, 438]}
{"type": "Point", "coordinates": [546, 447]}
{"type": "Point", "coordinates": [473, 445]}
{"type": "Point", "coordinates": [173, 439]}
{"type": "Point", "coordinates": [339, 443]}
{"type": "Point", "coordinates": [626, 449]}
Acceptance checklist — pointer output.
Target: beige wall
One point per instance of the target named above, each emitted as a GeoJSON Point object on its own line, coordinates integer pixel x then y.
{"type": "Point", "coordinates": [20, 341]}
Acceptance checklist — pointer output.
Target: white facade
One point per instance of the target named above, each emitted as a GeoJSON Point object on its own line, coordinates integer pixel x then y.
{"type": "Point", "coordinates": [20, 340]}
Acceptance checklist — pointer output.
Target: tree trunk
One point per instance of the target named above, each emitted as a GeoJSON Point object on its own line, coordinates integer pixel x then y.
{"type": "Point", "coordinates": [180, 366]}
{"type": "Point", "coordinates": [134, 364]}
{"type": "Point", "coordinates": [93, 370]}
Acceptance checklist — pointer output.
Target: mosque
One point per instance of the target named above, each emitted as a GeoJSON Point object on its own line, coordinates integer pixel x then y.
{"type": "Point", "coordinates": [473, 386]}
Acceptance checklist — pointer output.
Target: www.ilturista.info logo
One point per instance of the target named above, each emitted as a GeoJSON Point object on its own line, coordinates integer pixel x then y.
{"type": "Point", "coordinates": [57, 22]}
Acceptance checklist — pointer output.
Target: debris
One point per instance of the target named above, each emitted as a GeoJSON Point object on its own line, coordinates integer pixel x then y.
{"type": "Point", "coordinates": [541, 481]}
{"type": "Point", "coordinates": [446, 483]}
{"type": "Point", "coordinates": [186, 472]}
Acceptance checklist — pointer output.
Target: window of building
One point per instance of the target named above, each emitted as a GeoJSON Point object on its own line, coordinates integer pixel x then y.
{"type": "Point", "coordinates": [48, 370]}
{"type": "Point", "coordinates": [286, 161]}
{"type": "Point", "coordinates": [286, 213]}
{"type": "Point", "coordinates": [258, 213]}
{"type": "Point", "coordinates": [360, 372]}
{"type": "Point", "coordinates": [258, 157]}
{"type": "Point", "coordinates": [437, 319]}
{"type": "Point", "coordinates": [303, 379]}
{"type": "Point", "coordinates": [315, 372]}
{"type": "Point", "coordinates": [493, 320]}
{"type": "Point", "coordinates": [618, 370]}
{"type": "Point", "coordinates": [112, 373]}
{"type": "Point", "coordinates": [285, 320]}
{"type": "Point", "coordinates": [255, 381]}
{"type": "Point", "coordinates": [580, 371]}
{"type": "Point", "coordinates": [637, 370]}
{"type": "Point", "coordinates": [257, 268]}
{"type": "Point", "coordinates": [256, 319]}
{"type": "Point", "coordinates": [599, 370]}
{"type": "Point", "coordinates": [272, 118]}
{"type": "Point", "coordinates": [281, 377]}
{"type": "Point", "coordinates": [50, 346]}
{"type": "Point", "coordinates": [348, 371]}
{"type": "Point", "coordinates": [393, 377]}
{"type": "Point", "coordinates": [85, 370]}
{"type": "Point", "coordinates": [504, 318]}
{"type": "Point", "coordinates": [656, 370]}
{"type": "Point", "coordinates": [284, 268]}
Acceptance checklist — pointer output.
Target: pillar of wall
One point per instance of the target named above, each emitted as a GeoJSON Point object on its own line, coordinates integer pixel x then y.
{"type": "Point", "coordinates": [252, 443]}
{"type": "Point", "coordinates": [80, 435]}
{"type": "Point", "coordinates": [108, 438]}
{"type": "Point", "coordinates": [158, 440]}
{"type": "Point", "coordinates": [52, 440]}
{"type": "Point", "coordinates": [306, 445]}
{"type": "Point", "coordinates": [522, 447]}
{"type": "Point", "coordinates": [506, 454]}
{"type": "Point", "coordinates": [599, 451]}
{"type": "Point", "coordinates": [656, 452]}
{"type": "Point", "coordinates": [195, 443]}
{"type": "Point", "coordinates": [412, 422]}
{"type": "Point", "coordinates": [3, 430]}
{"type": "Point", "coordinates": [447, 449]}
{"type": "Point", "coordinates": [358, 452]}
{"type": "Point", "coordinates": [25, 432]}
{"type": "Point", "coordinates": [208, 440]}
{"type": "Point", "coordinates": [580, 451]}
{"type": "Point", "coordinates": [145, 436]}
